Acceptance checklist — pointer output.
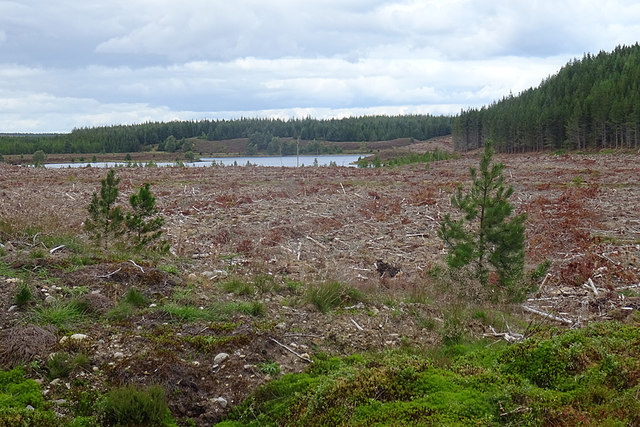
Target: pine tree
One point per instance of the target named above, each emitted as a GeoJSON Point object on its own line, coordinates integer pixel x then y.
{"type": "Point", "coordinates": [144, 224]}
{"type": "Point", "coordinates": [487, 236]}
{"type": "Point", "coordinates": [105, 220]}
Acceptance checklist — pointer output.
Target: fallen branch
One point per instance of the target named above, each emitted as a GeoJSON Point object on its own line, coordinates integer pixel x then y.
{"type": "Point", "coordinates": [52, 250]}
{"type": "Point", "coordinates": [547, 315]}
{"type": "Point", "coordinates": [417, 235]}
{"type": "Point", "coordinates": [316, 242]}
{"type": "Point", "coordinates": [357, 326]}
{"type": "Point", "coordinates": [286, 347]}
{"type": "Point", "coordinates": [104, 276]}
{"type": "Point", "coordinates": [592, 286]}
{"type": "Point", "coordinates": [134, 263]}
{"type": "Point", "coordinates": [543, 282]}
{"type": "Point", "coordinates": [507, 336]}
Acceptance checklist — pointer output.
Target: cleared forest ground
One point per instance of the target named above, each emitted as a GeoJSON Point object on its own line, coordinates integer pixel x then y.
{"type": "Point", "coordinates": [283, 230]}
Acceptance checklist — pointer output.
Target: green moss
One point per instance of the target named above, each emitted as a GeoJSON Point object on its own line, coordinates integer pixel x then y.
{"type": "Point", "coordinates": [16, 393]}
{"type": "Point", "coordinates": [582, 377]}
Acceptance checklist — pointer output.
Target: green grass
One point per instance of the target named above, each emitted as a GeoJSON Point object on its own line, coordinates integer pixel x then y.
{"type": "Point", "coordinates": [581, 377]}
{"type": "Point", "coordinates": [270, 368]}
{"type": "Point", "coordinates": [61, 364]}
{"type": "Point", "coordinates": [213, 313]}
{"type": "Point", "coordinates": [23, 295]}
{"type": "Point", "coordinates": [407, 159]}
{"type": "Point", "coordinates": [328, 296]}
{"type": "Point", "coordinates": [63, 316]}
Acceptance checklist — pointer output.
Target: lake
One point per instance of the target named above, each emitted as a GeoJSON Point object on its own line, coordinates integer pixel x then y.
{"type": "Point", "coordinates": [284, 161]}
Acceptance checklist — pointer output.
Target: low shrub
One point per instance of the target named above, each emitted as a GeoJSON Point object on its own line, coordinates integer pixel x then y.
{"type": "Point", "coordinates": [131, 406]}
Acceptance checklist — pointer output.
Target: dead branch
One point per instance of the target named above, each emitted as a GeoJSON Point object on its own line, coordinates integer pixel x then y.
{"type": "Point", "coordinates": [316, 242]}
{"type": "Point", "coordinates": [356, 323]}
{"type": "Point", "coordinates": [507, 336]}
{"type": "Point", "coordinates": [52, 250]}
{"type": "Point", "coordinates": [104, 276]}
{"type": "Point", "coordinates": [286, 347]}
{"type": "Point", "coordinates": [134, 263]}
{"type": "Point", "coordinates": [547, 315]}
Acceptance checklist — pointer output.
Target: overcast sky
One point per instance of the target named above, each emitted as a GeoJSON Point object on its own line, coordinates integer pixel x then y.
{"type": "Point", "coordinates": [76, 63]}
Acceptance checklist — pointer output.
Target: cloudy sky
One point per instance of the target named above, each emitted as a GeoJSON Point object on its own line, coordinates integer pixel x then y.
{"type": "Point", "coordinates": [76, 63]}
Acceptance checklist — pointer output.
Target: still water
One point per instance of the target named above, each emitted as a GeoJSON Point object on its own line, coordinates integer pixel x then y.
{"type": "Point", "coordinates": [284, 161]}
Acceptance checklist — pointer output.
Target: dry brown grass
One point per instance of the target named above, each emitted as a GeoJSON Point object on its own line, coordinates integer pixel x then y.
{"type": "Point", "coordinates": [23, 344]}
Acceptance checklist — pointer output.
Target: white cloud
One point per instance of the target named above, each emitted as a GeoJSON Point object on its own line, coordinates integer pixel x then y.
{"type": "Point", "coordinates": [77, 63]}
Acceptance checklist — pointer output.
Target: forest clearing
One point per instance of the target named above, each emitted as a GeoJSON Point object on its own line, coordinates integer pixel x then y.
{"type": "Point", "coordinates": [232, 300]}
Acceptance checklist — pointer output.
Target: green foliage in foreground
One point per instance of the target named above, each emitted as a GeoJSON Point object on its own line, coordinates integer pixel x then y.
{"type": "Point", "coordinates": [587, 377]}
{"type": "Point", "coordinates": [427, 157]}
{"type": "Point", "coordinates": [129, 406]}
{"type": "Point", "coordinates": [21, 401]}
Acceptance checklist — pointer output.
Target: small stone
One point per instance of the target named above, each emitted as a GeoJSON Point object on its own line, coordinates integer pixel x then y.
{"type": "Point", "coordinates": [30, 408]}
{"type": "Point", "coordinates": [78, 337]}
{"type": "Point", "coordinates": [221, 357]}
{"type": "Point", "coordinates": [222, 401]}
{"type": "Point", "coordinates": [153, 305]}
{"type": "Point", "coordinates": [118, 355]}
{"type": "Point", "coordinates": [12, 308]}
{"type": "Point", "coordinates": [305, 355]}
{"type": "Point", "coordinates": [281, 325]}
{"type": "Point", "coordinates": [247, 367]}
{"type": "Point", "coordinates": [195, 363]}
{"type": "Point", "coordinates": [96, 369]}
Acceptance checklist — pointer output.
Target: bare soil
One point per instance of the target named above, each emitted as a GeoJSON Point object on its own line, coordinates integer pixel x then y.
{"type": "Point", "coordinates": [308, 225]}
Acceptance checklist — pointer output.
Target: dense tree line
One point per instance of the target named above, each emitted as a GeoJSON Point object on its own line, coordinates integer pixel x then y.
{"type": "Point", "coordinates": [131, 138]}
{"type": "Point", "coordinates": [591, 103]}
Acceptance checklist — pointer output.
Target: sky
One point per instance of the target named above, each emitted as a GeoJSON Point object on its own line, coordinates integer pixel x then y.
{"type": "Point", "coordinates": [68, 64]}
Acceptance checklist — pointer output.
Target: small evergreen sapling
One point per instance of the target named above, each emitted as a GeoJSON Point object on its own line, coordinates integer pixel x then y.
{"type": "Point", "coordinates": [487, 236]}
{"type": "Point", "coordinates": [105, 220]}
{"type": "Point", "coordinates": [143, 223]}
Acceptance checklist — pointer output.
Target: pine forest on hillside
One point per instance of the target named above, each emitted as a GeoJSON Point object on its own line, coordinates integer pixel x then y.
{"type": "Point", "coordinates": [133, 138]}
{"type": "Point", "coordinates": [591, 103]}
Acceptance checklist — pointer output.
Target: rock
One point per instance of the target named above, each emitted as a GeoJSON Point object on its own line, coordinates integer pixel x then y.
{"type": "Point", "coordinates": [281, 325]}
{"type": "Point", "coordinates": [78, 337]}
{"type": "Point", "coordinates": [118, 355]}
{"type": "Point", "coordinates": [12, 308]}
{"type": "Point", "coordinates": [30, 408]}
{"type": "Point", "coordinates": [222, 401]}
{"type": "Point", "coordinates": [305, 355]}
{"type": "Point", "coordinates": [220, 357]}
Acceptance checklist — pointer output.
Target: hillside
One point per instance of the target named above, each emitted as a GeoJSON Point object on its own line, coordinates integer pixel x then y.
{"type": "Point", "coordinates": [259, 134]}
{"type": "Point", "coordinates": [591, 103]}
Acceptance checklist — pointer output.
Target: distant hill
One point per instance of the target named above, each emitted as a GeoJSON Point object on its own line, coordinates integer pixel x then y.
{"type": "Point", "coordinates": [591, 103]}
